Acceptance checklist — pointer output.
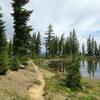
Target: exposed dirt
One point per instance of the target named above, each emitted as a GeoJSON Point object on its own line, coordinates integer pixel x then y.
{"type": "Point", "coordinates": [37, 90]}
{"type": "Point", "coordinates": [14, 85]}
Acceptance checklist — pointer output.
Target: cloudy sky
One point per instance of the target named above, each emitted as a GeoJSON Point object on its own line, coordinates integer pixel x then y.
{"type": "Point", "coordinates": [64, 15]}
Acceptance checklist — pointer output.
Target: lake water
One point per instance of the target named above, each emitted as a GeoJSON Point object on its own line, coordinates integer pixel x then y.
{"type": "Point", "coordinates": [90, 68]}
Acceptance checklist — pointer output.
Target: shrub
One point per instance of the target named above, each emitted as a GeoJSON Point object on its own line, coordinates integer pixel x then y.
{"type": "Point", "coordinates": [14, 64]}
{"type": "Point", "coordinates": [3, 63]}
{"type": "Point", "coordinates": [73, 75]}
{"type": "Point", "coordinates": [24, 60]}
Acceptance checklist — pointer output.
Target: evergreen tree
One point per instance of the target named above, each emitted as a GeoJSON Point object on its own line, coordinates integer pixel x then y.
{"type": "Point", "coordinates": [95, 49]}
{"type": "Point", "coordinates": [48, 40]}
{"type": "Point", "coordinates": [22, 38]}
{"type": "Point", "coordinates": [83, 49]}
{"type": "Point", "coordinates": [38, 44]}
{"type": "Point", "coordinates": [93, 46]}
{"type": "Point", "coordinates": [99, 51]}
{"type": "Point", "coordinates": [33, 45]}
{"type": "Point", "coordinates": [68, 47]}
{"type": "Point", "coordinates": [75, 44]}
{"type": "Point", "coordinates": [89, 46]}
{"type": "Point", "coordinates": [61, 45]}
{"type": "Point", "coordinates": [73, 76]}
{"type": "Point", "coordinates": [71, 42]}
{"type": "Point", "coordinates": [3, 48]}
{"type": "Point", "coordinates": [54, 46]}
{"type": "Point", "coordinates": [10, 49]}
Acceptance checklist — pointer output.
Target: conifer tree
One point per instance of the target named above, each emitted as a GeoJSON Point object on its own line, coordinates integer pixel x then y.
{"type": "Point", "coordinates": [61, 45]}
{"type": "Point", "coordinates": [83, 49]}
{"type": "Point", "coordinates": [89, 46]}
{"type": "Point", "coordinates": [33, 45]}
{"type": "Point", "coordinates": [3, 48]}
{"type": "Point", "coordinates": [73, 76]}
{"type": "Point", "coordinates": [67, 46]}
{"type": "Point", "coordinates": [93, 46]}
{"type": "Point", "coordinates": [22, 38]}
{"type": "Point", "coordinates": [99, 51]}
{"type": "Point", "coordinates": [48, 40]}
{"type": "Point", "coordinates": [10, 51]}
{"type": "Point", "coordinates": [95, 49]}
{"type": "Point", "coordinates": [38, 44]}
{"type": "Point", "coordinates": [71, 42]}
{"type": "Point", "coordinates": [75, 44]}
{"type": "Point", "coordinates": [54, 46]}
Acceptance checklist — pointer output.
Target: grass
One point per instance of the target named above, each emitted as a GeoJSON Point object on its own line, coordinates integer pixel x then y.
{"type": "Point", "coordinates": [56, 88]}
{"type": "Point", "coordinates": [91, 90]}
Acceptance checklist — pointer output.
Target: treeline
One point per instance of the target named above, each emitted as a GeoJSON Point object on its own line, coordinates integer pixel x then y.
{"type": "Point", "coordinates": [93, 49]}
{"type": "Point", "coordinates": [60, 46]}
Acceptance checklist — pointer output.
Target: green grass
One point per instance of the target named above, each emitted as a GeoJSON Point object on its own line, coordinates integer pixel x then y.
{"type": "Point", "coordinates": [56, 85]}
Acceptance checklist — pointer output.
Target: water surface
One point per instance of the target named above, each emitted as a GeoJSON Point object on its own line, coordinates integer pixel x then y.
{"type": "Point", "coordinates": [88, 68]}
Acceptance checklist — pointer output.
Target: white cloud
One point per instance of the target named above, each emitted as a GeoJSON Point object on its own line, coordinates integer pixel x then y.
{"type": "Point", "coordinates": [64, 15]}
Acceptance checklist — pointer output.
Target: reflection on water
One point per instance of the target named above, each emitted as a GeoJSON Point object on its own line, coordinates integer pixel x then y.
{"type": "Point", "coordinates": [88, 68]}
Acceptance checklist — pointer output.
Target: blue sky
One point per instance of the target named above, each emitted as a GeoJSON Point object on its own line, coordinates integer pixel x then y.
{"type": "Point", "coordinates": [64, 15]}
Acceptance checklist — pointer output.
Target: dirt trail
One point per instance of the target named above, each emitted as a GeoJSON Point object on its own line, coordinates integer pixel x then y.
{"type": "Point", "coordinates": [36, 91]}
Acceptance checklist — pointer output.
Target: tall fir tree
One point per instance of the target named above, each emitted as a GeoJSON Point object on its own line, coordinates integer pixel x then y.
{"type": "Point", "coordinates": [3, 48]}
{"type": "Point", "coordinates": [48, 40]}
{"type": "Point", "coordinates": [54, 46]}
{"type": "Point", "coordinates": [99, 51]}
{"type": "Point", "coordinates": [33, 45]}
{"type": "Point", "coordinates": [71, 42]}
{"type": "Point", "coordinates": [89, 46]}
{"type": "Point", "coordinates": [95, 48]}
{"type": "Point", "coordinates": [22, 37]}
{"type": "Point", "coordinates": [67, 47]}
{"type": "Point", "coordinates": [61, 45]}
{"type": "Point", "coordinates": [75, 43]}
{"type": "Point", "coordinates": [83, 49]}
{"type": "Point", "coordinates": [38, 44]}
{"type": "Point", "coordinates": [10, 51]}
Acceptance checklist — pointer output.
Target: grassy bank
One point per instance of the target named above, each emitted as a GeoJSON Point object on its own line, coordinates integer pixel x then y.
{"type": "Point", "coordinates": [56, 89]}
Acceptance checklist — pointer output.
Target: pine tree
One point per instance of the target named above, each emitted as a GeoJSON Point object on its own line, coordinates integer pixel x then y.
{"type": "Point", "coordinates": [75, 44]}
{"type": "Point", "coordinates": [48, 39]}
{"type": "Point", "coordinates": [95, 49]}
{"type": "Point", "coordinates": [22, 38]}
{"type": "Point", "coordinates": [10, 49]}
{"type": "Point", "coordinates": [61, 45]}
{"type": "Point", "coordinates": [99, 51]}
{"type": "Point", "coordinates": [93, 46]}
{"type": "Point", "coordinates": [33, 45]}
{"type": "Point", "coordinates": [3, 48]}
{"type": "Point", "coordinates": [83, 49]}
{"type": "Point", "coordinates": [73, 76]}
{"type": "Point", "coordinates": [89, 46]}
{"type": "Point", "coordinates": [54, 46]}
{"type": "Point", "coordinates": [38, 44]}
{"type": "Point", "coordinates": [71, 42]}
